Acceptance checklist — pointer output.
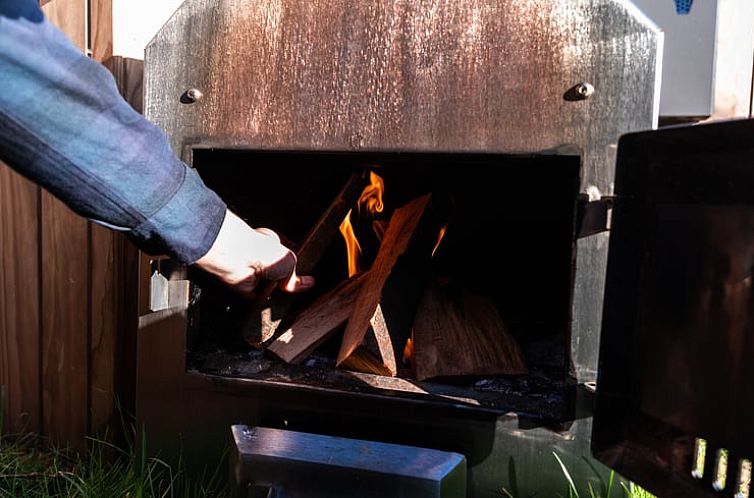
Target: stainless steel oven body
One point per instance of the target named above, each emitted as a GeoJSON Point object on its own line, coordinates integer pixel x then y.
{"type": "Point", "coordinates": [508, 78]}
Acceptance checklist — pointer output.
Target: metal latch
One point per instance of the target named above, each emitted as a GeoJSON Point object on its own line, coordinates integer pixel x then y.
{"type": "Point", "coordinates": [593, 216]}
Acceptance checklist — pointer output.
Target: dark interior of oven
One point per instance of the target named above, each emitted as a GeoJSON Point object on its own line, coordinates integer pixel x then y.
{"type": "Point", "coordinates": [510, 237]}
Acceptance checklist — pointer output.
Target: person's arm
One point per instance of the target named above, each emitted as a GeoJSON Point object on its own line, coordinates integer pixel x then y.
{"type": "Point", "coordinates": [64, 125]}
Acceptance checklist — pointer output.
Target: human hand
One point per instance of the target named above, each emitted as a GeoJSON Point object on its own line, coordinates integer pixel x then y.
{"type": "Point", "coordinates": [243, 257]}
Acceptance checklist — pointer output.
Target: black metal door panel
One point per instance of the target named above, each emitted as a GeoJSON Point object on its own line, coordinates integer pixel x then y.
{"type": "Point", "coordinates": [675, 406]}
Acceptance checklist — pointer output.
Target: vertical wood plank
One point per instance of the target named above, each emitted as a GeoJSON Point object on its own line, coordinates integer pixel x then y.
{"type": "Point", "coordinates": [114, 281]}
{"type": "Point", "coordinates": [70, 17]}
{"type": "Point", "coordinates": [105, 298]}
{"type": "Point", "coordinates": [125, 368]}
{"type": "Point", "coordinates": [65, 293]}
{"type": "Point", "coordinates": [65, 324]}
{"type": "Point", "coordinates": [101, 29]}
{"type": "Point", "coordinates": [19, 301]}
{"type": "Point", "coordinates": [106, 281]}
{"type": "Point", "coordinates": [130, 79]}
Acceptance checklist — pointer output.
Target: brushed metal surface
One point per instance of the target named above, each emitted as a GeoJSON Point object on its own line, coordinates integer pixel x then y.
{"type": "Point", "coordinates": [302, 465]}
{"type": "Point", "coordinates": [425, 75]}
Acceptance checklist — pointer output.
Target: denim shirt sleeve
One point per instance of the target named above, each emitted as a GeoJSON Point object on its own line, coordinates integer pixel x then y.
{"type": "Point", "coordinates": [64, 125]}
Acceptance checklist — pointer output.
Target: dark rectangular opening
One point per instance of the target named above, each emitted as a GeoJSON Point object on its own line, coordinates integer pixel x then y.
{"type": "Point", "coordinates": [510, 238]}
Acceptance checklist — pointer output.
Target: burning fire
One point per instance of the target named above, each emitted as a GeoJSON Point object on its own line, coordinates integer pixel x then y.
{"type": "Point", "coordinates": [371, 197]}
{"type": "Point", "coordinates": [439, 238]}
{"type": "Point", "coordinates": [371, 200]}
{"type": "Point", "coordinates": [408, 352]}
{"type": "Point", "coordinates": [352, 245]}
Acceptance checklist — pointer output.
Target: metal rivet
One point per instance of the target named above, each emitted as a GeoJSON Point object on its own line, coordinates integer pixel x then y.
{"type": "Point", "coordinates": [192, 95]}
{"type": "Point", "coordinates": [584, 90]}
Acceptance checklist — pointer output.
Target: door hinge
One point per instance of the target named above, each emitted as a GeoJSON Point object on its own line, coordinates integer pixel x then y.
{"type": "Point", "coordinates": [593, 216]}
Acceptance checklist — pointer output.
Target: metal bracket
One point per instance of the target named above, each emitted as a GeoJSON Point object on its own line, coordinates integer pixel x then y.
{"type": "Point", "coordinates": [593, 216]}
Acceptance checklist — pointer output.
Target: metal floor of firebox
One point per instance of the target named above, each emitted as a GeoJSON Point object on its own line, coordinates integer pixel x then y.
{"type": "Point", "coordinates": [541, 394]}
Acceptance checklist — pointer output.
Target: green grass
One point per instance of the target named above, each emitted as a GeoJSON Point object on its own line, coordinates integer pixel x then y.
{"type": "Point", "coordinates": [630, 490]}
{"type": "Point", "coordinates": [31, 468]}
{"type": "Point", "coordinates": [596, 486]}
{"type": "Point", "coordinates": [634, 491]}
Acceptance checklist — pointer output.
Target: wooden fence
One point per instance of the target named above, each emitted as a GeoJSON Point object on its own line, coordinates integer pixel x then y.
{"type": "Point", "coordinates": [67, 290]}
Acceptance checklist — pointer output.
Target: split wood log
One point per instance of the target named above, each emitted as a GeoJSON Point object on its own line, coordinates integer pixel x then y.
{"type": "Point", "coordinates": [265, 314]}
{"type": "Point", "coordinates": [318, 322]}
{"type": "Point", "coordinates": [458, 333]}
{"type": "Point", "coordinates": [385, 306]}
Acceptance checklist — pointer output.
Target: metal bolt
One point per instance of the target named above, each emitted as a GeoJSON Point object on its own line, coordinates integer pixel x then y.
{"type": "Point", "coordinates": [193, 95]}
{"type": "Point", "coordinates": [584, 90]}
{"type": "Point", "coordinates": [356, 142]}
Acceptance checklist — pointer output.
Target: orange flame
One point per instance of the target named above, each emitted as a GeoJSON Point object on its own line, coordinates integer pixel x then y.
{"type": "Point", "coordinates": [439, 238]}
{"type": "Point", "coordinates": [352, 244]}
{"type": "Point", "coordinates": [371, 197]}
{"type": "Point", "coordinates": [408, 352]}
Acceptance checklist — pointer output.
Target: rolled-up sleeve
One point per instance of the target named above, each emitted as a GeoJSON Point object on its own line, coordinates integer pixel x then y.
{"type": "Point", "coordinates": [64, 125]}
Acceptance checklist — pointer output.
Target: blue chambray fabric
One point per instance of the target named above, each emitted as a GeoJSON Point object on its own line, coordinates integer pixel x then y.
{"type": "Point", "coordinates": [64, 125]}
{"type": "Point", "coordinates": [14, 9]}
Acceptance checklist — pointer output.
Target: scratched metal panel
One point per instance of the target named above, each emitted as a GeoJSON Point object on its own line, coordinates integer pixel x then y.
{"type": "Point", "coordinates": [419, 75]}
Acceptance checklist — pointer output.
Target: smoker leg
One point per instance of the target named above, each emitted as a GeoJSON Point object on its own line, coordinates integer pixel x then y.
{"type": "Point", "coordinates": [273, 463]}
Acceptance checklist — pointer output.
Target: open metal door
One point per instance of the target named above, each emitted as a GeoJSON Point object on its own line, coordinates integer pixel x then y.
{"type": "Point", "coordinates": [675, 403]}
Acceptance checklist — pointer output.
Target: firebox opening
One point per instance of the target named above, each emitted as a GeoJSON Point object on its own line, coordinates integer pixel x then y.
{"type": "Point", "coordinates": [506, 236]}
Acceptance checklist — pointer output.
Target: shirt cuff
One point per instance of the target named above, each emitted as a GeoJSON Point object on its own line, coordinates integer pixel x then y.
{"type": "Point", "coordinates": [187, 224]}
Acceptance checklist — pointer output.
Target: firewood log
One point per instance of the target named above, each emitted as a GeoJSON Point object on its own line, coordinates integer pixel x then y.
{"type": "Point", "coordinates": [385, 306]}
{"type": "Point", "coordinates": [459, 333]}
{"type": "Point", "coordinates": [318, 322]}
